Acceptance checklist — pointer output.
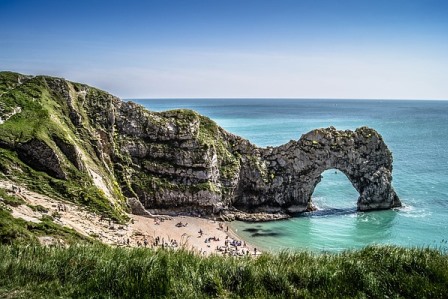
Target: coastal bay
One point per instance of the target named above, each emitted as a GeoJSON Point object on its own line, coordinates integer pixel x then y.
{"type": "Point", "coordinates": [414, 131]}
{"type": "Point", "coordinates": [224, 149]}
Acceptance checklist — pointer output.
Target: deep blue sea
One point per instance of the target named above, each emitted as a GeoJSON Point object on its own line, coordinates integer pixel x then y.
{"type": "Point", "coordinates": [415, 131]}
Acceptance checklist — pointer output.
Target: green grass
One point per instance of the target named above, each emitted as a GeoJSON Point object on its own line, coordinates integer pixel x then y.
{"type": "Point", "coordinates": [97, 271]}
{"type": "Point", "coordinates": [80, 190]}
{"type": "Point", "coordinates": [103, 272]}
{"type": "Point", "coordinates": [18, 231]}
{"type": "Point", "coordinates": [44, 117]}
{"type": "Point", "coordinates": [10, 199]}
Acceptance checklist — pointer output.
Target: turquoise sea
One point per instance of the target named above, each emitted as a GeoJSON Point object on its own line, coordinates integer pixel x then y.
{"type": "Point", "coordinates": [415, 131]}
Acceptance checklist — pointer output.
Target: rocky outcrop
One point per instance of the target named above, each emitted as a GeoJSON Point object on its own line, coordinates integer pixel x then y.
{"type": "Point", "coordinates": [287, 175]}
{"type": "Point", "coordinates": [181, 162]}
{"type": "Point", "coordinates": [41, 157]}
{"type": "Point", "coordinates": [70, 151]}
{"type": "Point", "coordinates": [174, 168]}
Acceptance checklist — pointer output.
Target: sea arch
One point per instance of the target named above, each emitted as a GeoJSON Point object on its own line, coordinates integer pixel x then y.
{"type": "Point", "coordinates": [361, 155]}
{"type": "Point", "coordinates": [292, 171]}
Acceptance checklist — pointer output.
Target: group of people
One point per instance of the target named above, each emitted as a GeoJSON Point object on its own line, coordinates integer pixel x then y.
{"type": "Point", "coordinates": [234, 248]}
{"type": "Point", "coordinates": [62, 208]}
{"type": "Point", "coordinates": [181, 224]}
{"type": "Point", "coordinates": [170, 243]}
{"type": "Point", "coordinates": [221, 227]}
{"type": "Point", "coordinates": [16, 190]}
{"type": "Point", "coordinates": [145, 243]}
{"type": "Point", "coordinates": [124, 242]}
{"type": "Point", "coordinates": [234, 243]}
{"type": "Point", "coordinates": [157, 241]}
{"type": "Point", "coordinates": [230, 246]}
{"type": "Point", "coordinates": [208, 240]}
{"type": "Point", "coordinates": [158, 220]}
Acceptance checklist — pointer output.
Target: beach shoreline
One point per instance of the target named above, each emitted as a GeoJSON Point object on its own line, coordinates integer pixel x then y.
{"type": "Point", "coordinates": [203, 236]}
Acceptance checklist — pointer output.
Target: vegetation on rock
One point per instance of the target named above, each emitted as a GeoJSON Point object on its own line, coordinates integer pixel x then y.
{"type": "Point", "coordinates": [77, 142]}
{"type": "Point", "coordinates": [74, 142]}
{"type": "Point", "coordinates": [36, 143]}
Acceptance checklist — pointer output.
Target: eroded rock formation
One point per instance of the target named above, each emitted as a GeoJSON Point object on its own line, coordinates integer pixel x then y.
{"type": "Point", "coordinates": [289, 173]}
{"type": "Point", "coordinates": [179, 161]}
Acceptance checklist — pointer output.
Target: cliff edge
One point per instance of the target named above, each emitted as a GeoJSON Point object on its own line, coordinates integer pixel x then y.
{"type": "Point", "coordinates": [69, 140]}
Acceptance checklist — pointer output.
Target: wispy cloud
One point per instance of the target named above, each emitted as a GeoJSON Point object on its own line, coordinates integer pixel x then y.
{"type": "Point", "coordinates": [297, 49]}
{"type": "Point", "coordinates": [204, 74]}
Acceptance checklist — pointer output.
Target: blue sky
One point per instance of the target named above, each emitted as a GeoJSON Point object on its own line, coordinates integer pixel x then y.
{"type": "Point", "coordinates": [290, 49]}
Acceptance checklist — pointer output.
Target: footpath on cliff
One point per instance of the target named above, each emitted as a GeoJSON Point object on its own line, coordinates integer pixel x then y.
{"type": "Point", "coordinates": [200, 235]}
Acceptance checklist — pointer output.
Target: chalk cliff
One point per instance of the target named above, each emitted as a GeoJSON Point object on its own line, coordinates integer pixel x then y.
{"type": "Point", "coordinates": [74, 141]}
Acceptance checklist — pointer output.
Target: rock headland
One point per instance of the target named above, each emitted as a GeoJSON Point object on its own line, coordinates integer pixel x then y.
{"type": "Point", "coordinates": [71, 140]}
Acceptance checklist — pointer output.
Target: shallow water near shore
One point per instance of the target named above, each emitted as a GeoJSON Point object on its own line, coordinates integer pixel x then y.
{"type": "Point", "coordinates": [415, 131]}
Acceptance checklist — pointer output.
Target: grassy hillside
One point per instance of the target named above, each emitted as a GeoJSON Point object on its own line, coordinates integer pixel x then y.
{"type": "Point", "coordinates": [18, 231]}
{"type": "Point", "coordinates": [61, 139]}
{"type": "Point", "coordinates": [71, 141]}
{"type": "Point", "coordinates": [104, 272]}
{"type": "Point", "coordinates": [40, 146]}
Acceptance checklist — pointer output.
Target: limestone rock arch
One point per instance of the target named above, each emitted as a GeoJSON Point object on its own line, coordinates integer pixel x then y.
{"type": "Point", "coordinates": [292, 171]}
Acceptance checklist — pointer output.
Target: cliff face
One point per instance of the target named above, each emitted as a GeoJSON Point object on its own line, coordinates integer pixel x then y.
{"type": "Point", "coordinates": [78, 142]}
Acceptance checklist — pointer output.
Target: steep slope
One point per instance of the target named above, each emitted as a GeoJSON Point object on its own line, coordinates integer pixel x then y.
{"type": "Point", "coordinates": [41, 145]}
{"type": "Point", "coordinates": [76, 142]}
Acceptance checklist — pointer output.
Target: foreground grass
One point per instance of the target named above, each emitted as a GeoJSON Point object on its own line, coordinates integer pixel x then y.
{"type": "Point", "coordinates": [99, 271]}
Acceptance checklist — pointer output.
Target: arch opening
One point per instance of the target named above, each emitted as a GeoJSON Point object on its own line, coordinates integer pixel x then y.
{"type": "Point", "coordinates": [334, 191]}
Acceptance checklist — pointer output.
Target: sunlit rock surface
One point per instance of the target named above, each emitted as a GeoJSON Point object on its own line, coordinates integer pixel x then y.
{"type": "Point", "coordinates": [175, 161]}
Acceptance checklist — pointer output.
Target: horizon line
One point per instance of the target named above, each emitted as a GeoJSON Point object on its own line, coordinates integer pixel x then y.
{"type": "Point", "coordinates": [280, 98]}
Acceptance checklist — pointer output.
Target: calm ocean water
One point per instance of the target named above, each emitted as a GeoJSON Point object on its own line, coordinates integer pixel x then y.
{"type": "Point", "coordinates": [415, 131]}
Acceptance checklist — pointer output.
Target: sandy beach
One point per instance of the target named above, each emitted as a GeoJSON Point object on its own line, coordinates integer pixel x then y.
{"type": "Point", "coordinates": [201, 235]}
{"type": "Point", "coordinates": [204, 236]}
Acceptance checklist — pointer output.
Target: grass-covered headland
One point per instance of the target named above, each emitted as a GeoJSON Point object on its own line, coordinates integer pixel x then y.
{"type": "Point", "coordinates": [74, 143]}
{"type": "Point", "coordinates": [97, 271]}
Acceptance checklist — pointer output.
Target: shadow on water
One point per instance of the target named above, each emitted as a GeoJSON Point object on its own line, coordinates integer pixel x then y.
{"type": "Point", "coordinates": [327, 212]}
{"type": "Point", "coordinates": [251, 230]}
{"type": "Point", "coordinates": [259, 232]}
{"type": "Point", "coordinates": [331, 229]}
{"type": "Point", "coordinates": [269, 234]}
